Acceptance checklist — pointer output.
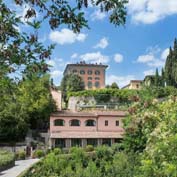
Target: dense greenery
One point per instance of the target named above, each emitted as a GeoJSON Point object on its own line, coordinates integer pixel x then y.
{"type": "Point", "coordinates": [72, 83]}
{"type": "Point", "coordinates": [125, 95]}
{"type": "Point", "coordinates": [25, 104]}
{"type": "Point", "coordinates": [104, 161]}
{"type": "Point", "coordinates": [171, 66]}
{"type": "Point", "coordinates": [7, 159]}
{"type": "Point", "coordinates": [148, 149]}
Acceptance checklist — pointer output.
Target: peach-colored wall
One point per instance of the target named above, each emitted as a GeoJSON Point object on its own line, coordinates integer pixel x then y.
{"type": "Point", "coordinates": [111, 123]}
{"type": "Point", "coordinates": [93, 75]}
{"type": "Point", "coordinates": [57, 96]}
{"type": "Point", "coordinates": [100, 124]}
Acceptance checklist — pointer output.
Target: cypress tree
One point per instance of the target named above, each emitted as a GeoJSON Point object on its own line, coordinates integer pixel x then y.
{"type": "Point", "coordinates": [168, 68]}
{"type": "Point", "coordinates": [163, 78]}
{"type": "Point", "coordinates": [156, 80]}
{"type": "Point", "coordinates": [174, 64]}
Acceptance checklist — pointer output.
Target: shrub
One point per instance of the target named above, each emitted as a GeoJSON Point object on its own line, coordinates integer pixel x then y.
{"type": "Point", "coordinates": [57, 151]}
{"type": "Point", "coordinates": [7, 159]}
{"type": "Point", "coordinates": [89, 148]}
{"type": "Point", "coordinates": [38, 153]}
{"type": "Point", "coordinates": [20, 155]}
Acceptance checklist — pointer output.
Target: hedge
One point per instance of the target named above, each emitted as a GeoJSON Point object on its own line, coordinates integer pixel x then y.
{"type": "Point", "coordinates": [7, 160]}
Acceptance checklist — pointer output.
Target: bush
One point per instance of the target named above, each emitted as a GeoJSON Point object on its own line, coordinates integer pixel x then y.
{"type": "Point", "coordinates": [57, 151]}
{"type": "Point", "coordinates": [20, 155]}
{"type": "Point", "coordinates": [38, 153]}
{"type": "Point", "coordinates": [7, 160]}
{"type": "Point", "coordinates": [89, 148]}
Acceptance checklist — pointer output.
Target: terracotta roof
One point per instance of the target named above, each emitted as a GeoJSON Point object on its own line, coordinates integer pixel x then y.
{"type": "Point", "coordinates": [74, 134]}
{"type": "Point", "coordinates": [88, 114]}
{"type": "Point", "coordinates": [85, 64]}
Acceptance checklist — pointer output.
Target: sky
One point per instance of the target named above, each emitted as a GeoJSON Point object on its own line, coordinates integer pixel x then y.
{"type": "Point", "coordinates": [131, 51]}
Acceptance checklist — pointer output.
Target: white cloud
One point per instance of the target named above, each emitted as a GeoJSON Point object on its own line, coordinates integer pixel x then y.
{"type": "Point", "coordinates": [151, 11]}
{"type": "Point", "coordinates": [97, 15]}
{"type": "Point", "coordinates": [149, 72]}
{"type": "Point", "coordinates": [120, 80]}
{"type": "Point", "coordinates": [155, 58]}
{"type": "Point", "coordinates": [66, 36]}
{"type": "Point", "coordinates": [51, 62]}
{"type": "Point", "coordinates": [96, 57]}
{"type": "Point", "coordinates": [145, 58]}
{"type": "Point", "coordinates": [74, 55]}
{"type": "Point", "coordinates": [56, 73]}
{"type": "Point", "coordinates": [118, 58]}
{"type": "Point", "coordinates": [156, 63]}
{"type": "Point", "coordinates": [103, 43]}
{"type": "Point", "coordinates": [164, 54]}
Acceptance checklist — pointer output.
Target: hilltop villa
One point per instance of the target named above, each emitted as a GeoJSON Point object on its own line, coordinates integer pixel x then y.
{"type": "Point", "coordinates": [93, 75]}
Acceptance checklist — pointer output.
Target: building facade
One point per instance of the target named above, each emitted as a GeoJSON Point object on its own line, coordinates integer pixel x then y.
{"type": "Point", "coordinates": [93, 75]}
{"type": "Point", "coordinates": [69, 129]}
{"type": "Point", "coordinates": [134, 85]}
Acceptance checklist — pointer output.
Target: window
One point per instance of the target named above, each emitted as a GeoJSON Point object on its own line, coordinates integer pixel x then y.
{"type": "Point", "coordinates": [74, 71]}
{"type": "Point", "coordinates": [74, 122]}
{"type": "Point", "coordinates": [97, 84]}
{"type": "Point", "coordinates": [89, 72]}
{"type": "Point", "coordinates": [106, 141]}
{"type": "Point", "coordinates": [117, 123]}
{"type": "Point", "coordinates": [90, 123]}
{"type": "Point", "coordinates": [82, 72]}
{"type": "Point", "coordinates": [106, 122]}
{"type": "Point", "coordinates": [137, 86]}
{"type": "Point", "coordinates": [60, 143]}
{"type": "Point", "coordinates": [92, 142]}
{"type": "Point", "coordinates": [76, 142]}
{"type": "Point", "coordinates": [97, 78]}
{"type": "Point", "coordinates": [89, 84]}
{"type": "Point", "coordinates": [59, 122]}
{"type": "Point", "coordinates": [97, 72]}
{"type": "Point", "coordinates": [89, 78]}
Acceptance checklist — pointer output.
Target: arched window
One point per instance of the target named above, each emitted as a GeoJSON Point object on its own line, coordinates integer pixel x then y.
{"type": "Point", "coordinates": [59, 122]}
{"type": "Point", "coordinates": [82, 72]}
{"type": "Point", "coordinates": [74, 122]}
{"type": "Point", "coordinates": [97, 72]}
{"type": "Point", "coordinates": [89, 72]}
{"type": "Point", "coordinates": [89, 84]}
{"type": "Point", "coordinates": [97, 84]}
{"type": "Point", "coordinates": [90, 123]}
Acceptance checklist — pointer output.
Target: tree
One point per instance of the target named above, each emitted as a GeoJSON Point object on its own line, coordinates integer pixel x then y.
{"type": "Point", "coordinates": [23, 48]}
{"type": "Point", "coordinates": [171, 66]}
{"type": "Point", "coordinates": [157, 78]}
{"type": "Point", "coordinates": [72, 83]}
{"type": "Point", "coordinates": [114, 85]}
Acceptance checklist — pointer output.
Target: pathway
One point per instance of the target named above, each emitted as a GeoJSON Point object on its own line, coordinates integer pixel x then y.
{"type": "Point", "coordinates": [20, 166]}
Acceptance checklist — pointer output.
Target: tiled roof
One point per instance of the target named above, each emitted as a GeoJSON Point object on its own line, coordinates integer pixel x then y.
{"type": "Point", "coordinates": [89, 114]}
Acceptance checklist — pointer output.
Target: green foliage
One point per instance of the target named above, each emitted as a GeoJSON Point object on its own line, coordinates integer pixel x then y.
{"type": "Point", "coordinates": [89, 148]}
{"type": "Point", "coordinates": [38, 153]}
{"type": "Point", "coordinates": [114, 85]}
{"type": "Point", "coordinates": [104, 95]}
{"type": "Point", "coordinates": [103, 162]}
{"type": "Point", "coordinates": [72, 83]}
{"type": "Point", "coordinates": [57, 151]}
{"type": "Point", "coordinates": [6, 158]}
{"type": "Point", "coordinates": [171, 66]}
{"type": "Point", "coordinates": [20, 155]}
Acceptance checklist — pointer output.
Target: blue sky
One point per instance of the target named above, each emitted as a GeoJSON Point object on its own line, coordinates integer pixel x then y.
{"type": "Point", "coordinates": [131, 51]}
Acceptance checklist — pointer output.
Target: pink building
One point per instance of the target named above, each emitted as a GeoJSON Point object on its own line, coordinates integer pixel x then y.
{"type": "Point", "coordinates": [69, 129]}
